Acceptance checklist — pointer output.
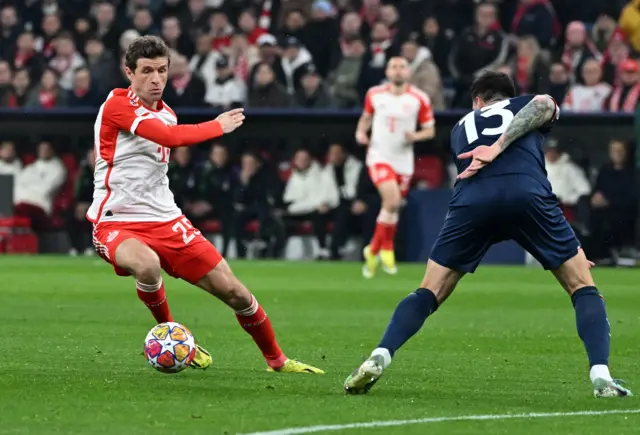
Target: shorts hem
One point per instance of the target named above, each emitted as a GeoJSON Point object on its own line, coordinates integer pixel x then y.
{"type": "Point", "coordinates": [460, 269]}
{"type": "Point", "coordinates": [557, 264]}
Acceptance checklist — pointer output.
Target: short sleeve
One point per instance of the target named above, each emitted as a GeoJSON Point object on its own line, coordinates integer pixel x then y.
{"type": "Point", "coordinates": [425, 115]}
{"type": "Point", "coordinates": [118, 112]}
{"type": "Point", "coordinates": [368, 104]}
{"type": "Point", "coordinates": [556, 115]}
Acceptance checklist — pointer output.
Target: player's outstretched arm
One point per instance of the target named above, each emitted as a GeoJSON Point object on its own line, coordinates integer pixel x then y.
{"type": "Point", "coordinates": [364, 124]}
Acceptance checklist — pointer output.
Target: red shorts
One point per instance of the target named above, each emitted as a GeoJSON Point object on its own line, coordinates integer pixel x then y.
{"type": "Point", "coordinates": [184, 252]}
{"type": "Point", "coordinates": [381, 172]}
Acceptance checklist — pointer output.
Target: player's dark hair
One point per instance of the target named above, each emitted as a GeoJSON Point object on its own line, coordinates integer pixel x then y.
{"type": "Point", "coordinates": [491, 85]}
{"type": "Point", "coordinates": [145, 47]}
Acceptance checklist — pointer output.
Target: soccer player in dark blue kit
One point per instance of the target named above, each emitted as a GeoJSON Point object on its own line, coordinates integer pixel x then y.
{"type": "Point", "coordinates": [502, 193]}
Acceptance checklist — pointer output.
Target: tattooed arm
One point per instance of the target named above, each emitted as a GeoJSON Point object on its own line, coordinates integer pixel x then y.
{"type": "Point", "coordinates": [538, 112]}
{"type": "Point", "coordinates": [541, 110]}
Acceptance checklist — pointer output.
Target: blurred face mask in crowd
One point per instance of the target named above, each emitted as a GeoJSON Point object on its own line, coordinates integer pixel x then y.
{"type": "Point", "coordinates": [142, 19]}
{"type": "Point", "coordinates": [65, 47]}
{"type": "Point", "coordinates": [218, 22]}
{"type": "Point", "coordinates": [336, 155]}
{"type": "Point", "coordinates": [82, 79]}
{"type": "Point", "coordinates": [302, 160]}
{"type": "Point", "coordinates": [294, 21]}
{"type": "Point", "coordinates": [49, 80]}
{"type": "Point", "coordinates": [527, 48]}
{"type": "Point", "coordinates": [247, 22]}
{"type": "Point", "coordinates": [196, 7]}
{"type": "Point", "coordinates": [105, 14]}
{"type": "Point", "coordinates": [21, 81]}
{"type": "Point", "coordinates": [629, 72]}
{"type": "Point", "coordinates": [45, 151]}
{"type": "Point", "coordinates": [51, 25]}
{"type": "Point", "coordinates": [356, 49]}
{"type": "Point", "coordinates": [485, 16]}
{"type": "Point", "coordinates": [5, 73]}
{"type": "Point", "coordinates": [618, 153]}
{"type": "Point", "coordinates": [7, 151]}
{"type": "Point", "coordinates": [398, 71]}
{"type": "Point", "coordinates": [591, 72]}
{"type": "Point", "coordinates": [179, 66]}
{"type": "Point", "coordinates": [310, 83]}
{"type": "Point", "coordinates": [389, 15]}
{"type": "Point", "coordinates": [149, 78]}
{"type": "Point", "coordinates": [558, 74]}
{"type": "Point", "coordinates": [171, 29]}
{"type": "Point", "coordinates": [94, 48]}
{"type": "Point", "coordinates": [576, 34]}
{"type": "Point", "coordinates": [249, 165]}
{"type": "Point", "coordinates": [350, 24]}
{"type": "Point", "coordinates": [219, 156]}
{"type": "Point", "coordinates": [409, 50]}
{"type": "Point", "coordinates": [8, 17]}
{"type": "Point", "coordinates": [264, 76]}
{"type": "Point", "coordinates": [203, 44]}
{"type": "Point", "coordinates": [380, 33]}
{"type": "Point", "coordinates": [26, 43]}
{"type": "Point", "coordinates": [182, 156]}
{"type": "Point", "coordinates": [239, 43]}
{"type": "Point", "coordinates": [431, 27]}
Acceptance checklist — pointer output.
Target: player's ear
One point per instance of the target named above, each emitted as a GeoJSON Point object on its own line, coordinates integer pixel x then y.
{"type": "Point", "coordinates": [129, 73]}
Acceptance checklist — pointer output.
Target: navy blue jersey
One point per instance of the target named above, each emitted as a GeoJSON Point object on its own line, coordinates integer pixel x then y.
{"type": "Point", "coordinates": [484, 126]}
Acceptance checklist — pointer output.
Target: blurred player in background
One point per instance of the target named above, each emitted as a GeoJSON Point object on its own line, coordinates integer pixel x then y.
{"type": "Point", "coordinates": [392, 111]}
{"type": "Point", "coordinates": [138, 227]}
{"type": "Point", "coordinates": [509, 197]}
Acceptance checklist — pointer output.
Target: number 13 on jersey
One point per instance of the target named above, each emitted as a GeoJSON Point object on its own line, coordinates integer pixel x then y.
{"type": "Point", "coordinates": [496, 109]}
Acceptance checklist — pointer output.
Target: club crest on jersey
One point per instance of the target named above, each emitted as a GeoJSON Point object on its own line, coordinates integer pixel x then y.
{"type": "Point", "coordinates": [133, 103]}
{"type": "Point", "coordinates": [112, 235]}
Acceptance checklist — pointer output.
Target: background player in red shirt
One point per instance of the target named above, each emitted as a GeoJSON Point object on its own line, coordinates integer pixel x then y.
{"type": "Point", "coordinates": [392, 111]}
{"type": "Point", "coordinates": [138, 227]}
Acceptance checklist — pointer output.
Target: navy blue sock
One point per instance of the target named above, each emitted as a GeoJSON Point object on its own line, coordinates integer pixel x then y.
{"type": "Point", "coordinates": [593, 325]}
{"type": "Point", "coordinates": [408, 318]}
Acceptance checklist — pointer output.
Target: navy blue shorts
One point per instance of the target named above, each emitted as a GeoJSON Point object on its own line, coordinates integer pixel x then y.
{"type": "Point", "coordinates": [533, 220]}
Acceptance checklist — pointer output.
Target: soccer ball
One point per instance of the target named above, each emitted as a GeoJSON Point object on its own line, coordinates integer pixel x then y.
{"type": "Point", "coordinates": [169, 347]}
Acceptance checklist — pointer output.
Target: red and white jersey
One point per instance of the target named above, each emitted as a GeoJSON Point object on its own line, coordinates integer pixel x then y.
{"type": "Point", "coordinates": [131, 183]}
{"type": "Point", "coordinates": [393, 116]}
{"type": "Point", "coordinates": [582, 98]}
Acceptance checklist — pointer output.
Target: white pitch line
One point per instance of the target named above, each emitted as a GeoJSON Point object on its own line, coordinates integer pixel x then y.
{"type": "Point", "coordinates": [335, 427]}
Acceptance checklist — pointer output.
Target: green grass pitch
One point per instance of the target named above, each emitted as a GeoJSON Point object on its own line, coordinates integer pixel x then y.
{"type": "Point", "coordinates": [504, 343]}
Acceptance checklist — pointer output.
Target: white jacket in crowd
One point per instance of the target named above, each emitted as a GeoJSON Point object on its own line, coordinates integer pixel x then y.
{"type": "Point", "coordinates": [226, 92]}
{"type": "Point", "coordinates": [38, 183]}
{"type": "Point", "coordinates": [567, 179]}
{"type": "Point", "coordinates": [12, 168]}
{"type": "Point", "coordinates": [330, 192]}
{"type": "Point", "coordinates": [301, 191]}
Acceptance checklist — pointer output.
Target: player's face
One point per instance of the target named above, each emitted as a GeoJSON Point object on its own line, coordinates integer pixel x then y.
{"type": "Point", "coordinates": [149, 78]}
{"type": "Point", "coordinates": [398, 71]}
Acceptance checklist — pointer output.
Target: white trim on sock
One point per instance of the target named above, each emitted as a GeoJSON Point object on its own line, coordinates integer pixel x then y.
{"type": "Point", "coordinates": [149, 288]}
{"type": "Point", "coordinates": [384, 353]}
{"type": "Point", "coordinates": [600, 371]}
{"type": "Point", "coordinates": [251, 310]}
{"type": "Point", "coordinates": [387, 217]}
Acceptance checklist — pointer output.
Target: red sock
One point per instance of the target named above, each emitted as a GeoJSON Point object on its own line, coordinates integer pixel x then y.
{"type": "Point", "coordinates": [378, 238]}
{"type": "Point", "coordinates": [154, 297]}
{"type": "Point", "coordinates": [255, 321]}
{"type": "Point", "coordinates": [389, 236]}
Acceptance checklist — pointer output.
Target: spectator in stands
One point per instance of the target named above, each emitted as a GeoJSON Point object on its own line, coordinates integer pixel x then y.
{"type": "Point", "coordinates": [439, 41]}
{"type": "Point", "coordinates": [175, 38]}
{"type": "Point", "coordinates": [83, 93]}
{"type": "Point", "coordinates": [101, 64]}
{"type": "Point", "coordinates": [265, 91]}
{"type": "Point", "coordinates": [184, 89]}
{"type": "Point", "coordinates": [602, 31]}
{"type": "Point", "coordinates": [424, 72]}
{"type": "Point", "coordinates": [370, 13]}
{"type": "Point", "coordinates": [294, 23]}
{"type": "Point", "coordinates": [345, 77]}
{"type": "Point", "coordinates": [295, 60]}
{"type": "Point", "coordinates": [322, 35]}
{"type": "Point", "coordinates": [82, 32]}
{"type": "Point", "coordinates": [338, 191]}
{"type": "Point", "coordinates": [107, 28]}
{"type": "Point", "coordinates": [313, 93]}
{"type": "Point", "coordinates": [381, 49]}
{"type": "Point", "coordinates": [242, 56]}
{"type": "Point", "coordinates": [350, 30]}
{"type": "Point", "coordinates": [480, 47]}
{"type": "Point", "coordinates": [592, 95]}
{"type": "Point", "coordinates": [66, 60]}
{"type": "Point", "coordinates": [538, 19]}
{"type": "Point", "coordinates": [256, 195]}
{"type": "Point", "coordinates": [578, 48]}
{"type": "Point", "coordinates": [268, 53]}
{"type": "Point", "coordinates": [302, 198]}
{"type": "Point", "coordinates": [182, 180]}
{"type": "Point", "coordinates": [220, 30]}
{"type": "Point", "coordinates": [617, 52]}
{"type": "Point", "coordinates": [227, 91]}
{"type": "Point", "coordinates": [78, 227]}
{"type": "Point", "coordinates": [624, 97]}
{"type": "Point", "coordinates": [27, 57]}
{"type": "Point", "coordinates": [558, 82]}
{"type": "Point", "coordinates": [6, 78]}
{"type": "Point", "coordinates": [531, 67]}
{"type": "Point", "coordinates": [568, 181]}
{"type": "Point", "coordinates": [10, 164]}
{"type": "Point", "coordinates": [248, 25]}
{"type": "Point", "coordinates": [49, 93]}
{"type": "Point", "coordinates": [51, 28]}
{"type": "Point", "coordinates": [203, 63]}
{"type": "Point", "coordinates": [630, 23]}
{"type": "Point", "coordinates": [18, 95]}
{"type": "Point", "coordinates": [126, 39]}
{"type": "Point", "coordinates": [36, 186]}
{"type": "Point", "coordinates": [197, 16]}
{"type": "Point", "coordinates": [614, 203]}
{"type": "Point", "coordinates": [143, 22]}
{"type": "Point", "coordinates": [9, 31]}
{"type": "Point", "coordinates": [216, 185]}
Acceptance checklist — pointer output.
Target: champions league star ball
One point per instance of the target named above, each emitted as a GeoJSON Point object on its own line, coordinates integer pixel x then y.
{"type": "Point", "coordinates": [169, 347]}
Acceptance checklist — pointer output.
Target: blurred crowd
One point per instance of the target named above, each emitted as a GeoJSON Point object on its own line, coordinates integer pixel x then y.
{"type": "Point", "coordinates": [321, 53]}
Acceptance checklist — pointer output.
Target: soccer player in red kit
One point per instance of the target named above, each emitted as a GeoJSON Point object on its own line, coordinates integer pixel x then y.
{"type": "Point", "coordinates": [137, 226]}
{"type": "Point", "coordinates": [392, 111]}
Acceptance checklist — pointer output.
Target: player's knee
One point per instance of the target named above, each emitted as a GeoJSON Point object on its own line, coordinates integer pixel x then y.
{"type": "Point", "coordinates": [392, 205]}
{"type": "Point", "coordinates": [147, 269]}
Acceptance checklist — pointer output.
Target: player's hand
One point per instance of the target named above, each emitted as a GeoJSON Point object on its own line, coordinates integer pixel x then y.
{"type": "Point", "coordinates": [362, 138]}
{"type": "Point", "coordinates": [481, 156]}
{"type": "Point", "coordinates": [410, 137]}
{"type": "Point", "coordinates": [231, 120]}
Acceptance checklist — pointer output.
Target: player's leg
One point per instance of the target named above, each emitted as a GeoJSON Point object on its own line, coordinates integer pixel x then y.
{"type": "Point", "coordinates": [221, 282]}
{"type": "Point", "coordinates": [549, 238]}
{"type": "Point", "coordinates": [381, 244]}
{"type": "Point", "coordinates": [458, 250]}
